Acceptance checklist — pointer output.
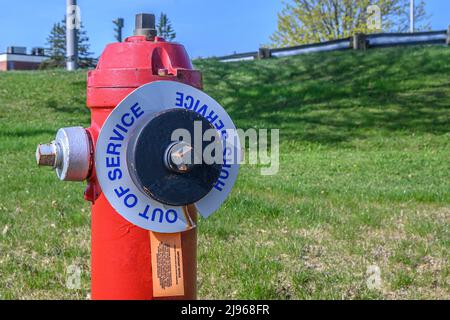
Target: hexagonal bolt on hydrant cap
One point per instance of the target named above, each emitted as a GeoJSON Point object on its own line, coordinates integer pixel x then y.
{"type": "Point", "coordinates": [46, 154]}
{"type": "Point", "coordinates": [145, 25]}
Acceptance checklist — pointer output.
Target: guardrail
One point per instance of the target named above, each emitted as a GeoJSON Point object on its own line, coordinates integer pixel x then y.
{"type": "Point", "coordinates": [333, 45]}
{"type": "Point", "coordinates": [359, 41]}
{"type": "Point", "coordinates": [392, 39]}
{"type": "Point", "coordinates": [239, 57]}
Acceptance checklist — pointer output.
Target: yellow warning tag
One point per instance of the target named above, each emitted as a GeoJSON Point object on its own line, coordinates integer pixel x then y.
{"type": "Point", "coordinates": [167, 264]}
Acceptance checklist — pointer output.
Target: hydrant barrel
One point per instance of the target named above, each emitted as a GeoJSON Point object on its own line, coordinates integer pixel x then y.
{"type": "Point", "coordinates": [121, 252]}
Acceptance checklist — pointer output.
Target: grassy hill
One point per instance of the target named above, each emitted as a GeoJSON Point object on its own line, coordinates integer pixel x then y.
{"type": "Point", "coordinates": [364, 180]}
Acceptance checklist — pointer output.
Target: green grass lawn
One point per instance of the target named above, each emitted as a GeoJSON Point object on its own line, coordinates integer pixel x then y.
{"type": "Point", "coordinates": [364, 181]}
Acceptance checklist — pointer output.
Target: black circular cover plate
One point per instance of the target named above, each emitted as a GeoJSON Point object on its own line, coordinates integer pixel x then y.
{"type": "Point", "coordinates": [146, 160]}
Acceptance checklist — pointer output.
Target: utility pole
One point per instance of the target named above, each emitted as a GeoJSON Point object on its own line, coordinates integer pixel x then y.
{"type": "Point", "coordinates": [411, 16]}
{"type": "Point", "coordinates": [72, 26]}
{"type": "Point", "coordinates": [119, 23]}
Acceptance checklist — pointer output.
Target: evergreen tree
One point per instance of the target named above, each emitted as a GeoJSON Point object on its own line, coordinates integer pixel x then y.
{"type": "Point", "coordinates": [118, 24]}
{"type": "Point", "coordinates": [164, 28]}
{"type": "Point", "coordinates": [57, 47]}
{"type": "Point", "coordinates": [85, 59]}
{"type": "Point", "coordinates": [56, 42]}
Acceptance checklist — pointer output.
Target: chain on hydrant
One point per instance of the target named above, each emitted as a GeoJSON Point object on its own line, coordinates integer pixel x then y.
{"type": "Point", "coordinates": [146, 186]}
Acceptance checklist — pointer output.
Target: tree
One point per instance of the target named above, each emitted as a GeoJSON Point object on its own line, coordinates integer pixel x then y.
{"type": "Point", "coordinates": [164, 28]}
{"type": "Point", "coordinates": [85, 59]}
{"type": "Point", "coordinates": [310, 21]}
{"type": "Point", "coordinates": [421, 18]}
{"type": "Point", "coordinates": [118, 26]}
{"type": "Point", "coordinates": [57, 47]}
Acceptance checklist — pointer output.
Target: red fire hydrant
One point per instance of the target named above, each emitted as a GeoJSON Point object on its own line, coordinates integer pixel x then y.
{"type": "Point", "coordinates": [144, 188]}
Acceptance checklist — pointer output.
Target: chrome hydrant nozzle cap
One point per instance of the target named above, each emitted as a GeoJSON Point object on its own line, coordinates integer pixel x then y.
{"type": "Point", "coordinates": [69, 154]}
{"type": "Point", "coordinates": [46, 154]}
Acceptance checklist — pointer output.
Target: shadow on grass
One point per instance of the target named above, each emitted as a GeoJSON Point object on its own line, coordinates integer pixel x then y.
{"type": "Point", "coordinates": [336, 97]}
{"type": "Point", "coordinates": [78, 107]}
{"type": "Point", "coordinates": [24, 133]}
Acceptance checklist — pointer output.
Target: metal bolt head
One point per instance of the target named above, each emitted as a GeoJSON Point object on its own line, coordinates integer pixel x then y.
{"type": "Point", "coordinates": [46, 154]}
{"type": "Point", "coordinates": [145, 21]}
{"type": "Point", "coordinates": [145, 25]}
{"type": "Point", "coordinates": [180, 157]}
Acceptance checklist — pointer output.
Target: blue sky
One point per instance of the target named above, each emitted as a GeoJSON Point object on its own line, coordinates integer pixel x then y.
{"type": "Point", "coordinates": [205, 27]}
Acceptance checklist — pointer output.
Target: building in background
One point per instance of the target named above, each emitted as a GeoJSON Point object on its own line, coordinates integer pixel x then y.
{"type": "Point", "coordinates": [17, 58]}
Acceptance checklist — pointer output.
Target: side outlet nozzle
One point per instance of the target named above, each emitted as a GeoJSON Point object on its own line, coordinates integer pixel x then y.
{"type": "Point", "coordinates": [69, 154]}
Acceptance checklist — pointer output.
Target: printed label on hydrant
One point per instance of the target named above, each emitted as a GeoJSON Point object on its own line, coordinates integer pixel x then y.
{"type": "Point", "coordinates": [167, 264]}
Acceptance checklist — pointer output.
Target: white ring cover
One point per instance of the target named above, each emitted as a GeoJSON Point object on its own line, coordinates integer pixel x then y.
{"type": "Point", "coordinates": [136, 109]}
